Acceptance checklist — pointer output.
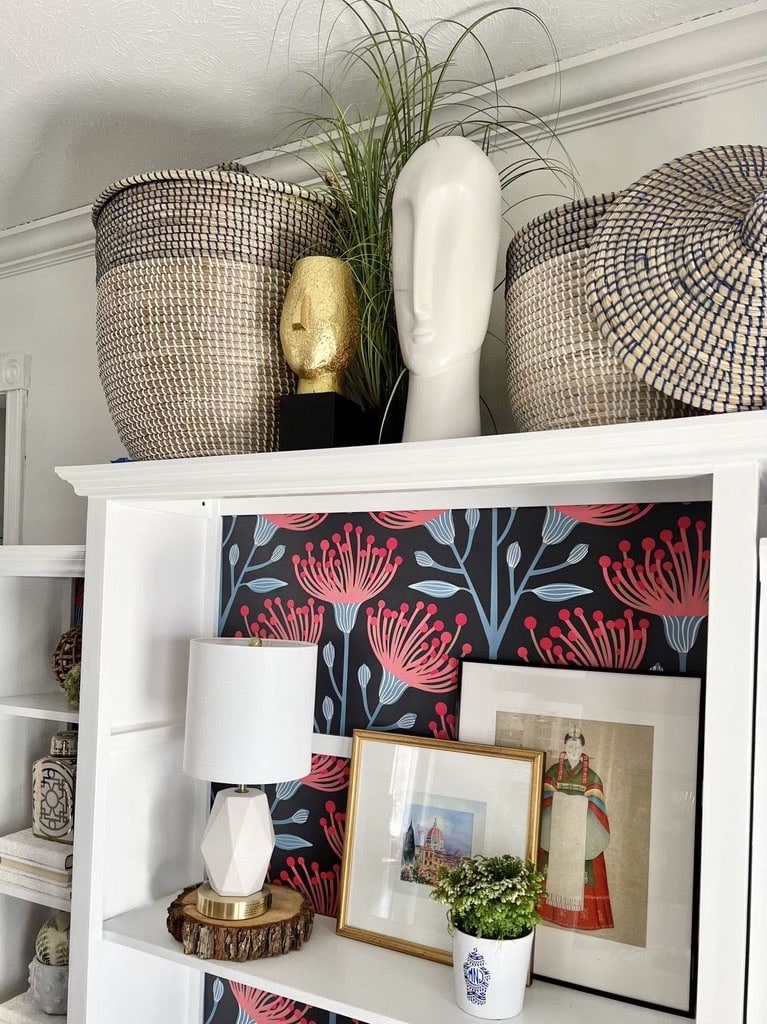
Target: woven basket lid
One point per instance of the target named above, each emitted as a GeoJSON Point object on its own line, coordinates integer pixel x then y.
{"type": "Point", "coordinates": [677, 278]}
{"type": "Point", "coordinates": [230, 173]}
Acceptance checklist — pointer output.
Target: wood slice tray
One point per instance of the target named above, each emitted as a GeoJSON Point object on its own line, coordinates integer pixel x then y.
{"type": "Point", "coordinates": [284, 927]}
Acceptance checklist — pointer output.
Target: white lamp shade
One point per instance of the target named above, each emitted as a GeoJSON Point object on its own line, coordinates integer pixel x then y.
{"type": "Point", "coordinates": [249, 710]}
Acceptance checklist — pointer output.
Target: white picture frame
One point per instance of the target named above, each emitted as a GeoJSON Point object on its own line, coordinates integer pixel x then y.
{"type": "Point", "coordinates": [502, 702]}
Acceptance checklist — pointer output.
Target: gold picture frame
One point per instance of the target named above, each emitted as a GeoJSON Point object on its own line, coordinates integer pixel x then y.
{"type": "Point", "coordinates": [482, 799]}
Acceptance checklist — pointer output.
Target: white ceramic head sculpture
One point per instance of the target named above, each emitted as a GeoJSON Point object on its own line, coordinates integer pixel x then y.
{"type": "Point", "coordinates": [446, 222]}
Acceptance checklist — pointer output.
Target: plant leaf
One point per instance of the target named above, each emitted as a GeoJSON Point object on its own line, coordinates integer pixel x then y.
{"type": "Point", "coordinates": [265, 584]}
{"type": "Point", "coordinates": [436, 588]}
{"type": "Point", "coordinates": [424, 559]}
{"type": "Point", "coordinates": [560, 591]}
{"type": "Point", "coordinates": [578, 553]}
{"type": "Point", "coordinates": [234, 555]}
{"type": "Point", "coordinates": [286, 841]}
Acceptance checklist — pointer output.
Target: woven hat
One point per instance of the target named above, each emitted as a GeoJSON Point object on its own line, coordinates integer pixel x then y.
{"type": "Point", "coordinates": [677, 278]}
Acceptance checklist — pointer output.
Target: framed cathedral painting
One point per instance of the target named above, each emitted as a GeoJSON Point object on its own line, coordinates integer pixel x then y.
{"type": "Point", "coordinates": [620, 821]}
{"type": "Point", "coordinates": [417, 806]}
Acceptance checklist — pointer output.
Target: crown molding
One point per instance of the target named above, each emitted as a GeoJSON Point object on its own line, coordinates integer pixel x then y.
{"type": "Point", "coordinates": [708, 56]}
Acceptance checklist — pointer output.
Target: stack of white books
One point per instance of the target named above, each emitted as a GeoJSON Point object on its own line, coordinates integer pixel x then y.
{"type": "Point", "coordinates": [39, 864]}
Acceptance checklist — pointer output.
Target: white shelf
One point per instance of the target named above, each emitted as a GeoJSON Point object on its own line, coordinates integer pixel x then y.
{"type": "Point", "coordinates": [42, 560]}
{"type": "Point", "coordinates": [364, 981]}
{"type": "Point", "coordinates": [51, 706]}
{"type": "Point", "coordinates": [43, 899]}
{"type": "Point", "coordinates": [21, 1010]}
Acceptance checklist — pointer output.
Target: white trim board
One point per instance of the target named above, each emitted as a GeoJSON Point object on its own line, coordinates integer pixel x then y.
{"type": "Point", "coordinates": [711, 55]}
{"type": "Point", "coordinates": [15, 372]}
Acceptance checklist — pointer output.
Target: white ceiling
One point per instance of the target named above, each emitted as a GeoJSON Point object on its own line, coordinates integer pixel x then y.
{"type": "Point", "coordinates": [93, 90]}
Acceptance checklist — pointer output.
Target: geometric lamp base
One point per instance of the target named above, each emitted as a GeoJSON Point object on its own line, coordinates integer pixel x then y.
{"type": "Point", "coordinates": [237, 847]}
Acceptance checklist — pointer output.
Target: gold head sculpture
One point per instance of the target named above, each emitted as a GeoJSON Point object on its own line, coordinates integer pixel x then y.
{"type": "Point", "coordinates": [320, 323]}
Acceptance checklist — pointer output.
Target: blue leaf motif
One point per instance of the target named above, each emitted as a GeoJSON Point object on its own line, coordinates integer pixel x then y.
{"type": "Point", "coordinates": [407, 721]}
{"type": "Point", "coordinates": [442, 529]}
{"type": "Point", "coordinates": [286, 841]}
{"type": "Point", "coordinates": [472, 518]}
{"type": "Point", "coordinates": [234, 555]}
{"type": "Point", "coordinates": [285, 790]}
{"type": "Point", "coordinates": [218, 990]}
{"type": "Point", "coordinates": [265, 584]}
{"type": "Point", "coordinates": [436, 588]}
{"type": "Point", "coordinates": [301, 816]}
{"type": "Point", "coordinates": [578, 553]}
{"type": "Point", "coordinates": [278, 552]}
{"type": "Point", "coordinates": [513, 554]}
{"type": "Point", "coordinates": [329, 654]}
{"type": "Point", "coordinates": [263, 532]}
{"type": "Point", "coordinates": [424, 559]}
{"type": "Point", "coordinates": [363, 675]}
{"type": "Point", "coordinates": [560, 591]}
{"type": "Point", "coordinates": [327, 708]}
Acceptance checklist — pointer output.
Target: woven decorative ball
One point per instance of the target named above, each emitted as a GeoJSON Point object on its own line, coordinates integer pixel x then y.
{"type": "Point", "coordinates": [192, 269]}
{"type": "Point", "coordinates": [68, 653]}
{"type": "Point", "coordinates": [560, 371]}
{"type": "Point", "coordinates": [677, 278]}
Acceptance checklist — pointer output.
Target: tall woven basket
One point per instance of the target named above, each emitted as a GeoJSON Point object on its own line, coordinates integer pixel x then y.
{"type": "Point", "coordinates": [192, 269]}
{"type": "Point", "coordinates": [560, 371]}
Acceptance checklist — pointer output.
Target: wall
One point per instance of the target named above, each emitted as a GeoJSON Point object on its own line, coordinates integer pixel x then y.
{"type": "Point", "coordinates": [624, 111]}
{"type": "Point", "coordinates": [556, 586]}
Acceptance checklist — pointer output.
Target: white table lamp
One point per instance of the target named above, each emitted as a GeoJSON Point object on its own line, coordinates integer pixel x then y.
{"type": "Point", "coordinates": [249, 718]}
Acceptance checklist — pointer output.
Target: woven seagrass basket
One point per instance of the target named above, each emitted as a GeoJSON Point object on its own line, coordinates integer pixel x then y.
{"type": "Point", "coordinates": [560, 371]}
{"type": "Point", "coordinates": [192, 269]}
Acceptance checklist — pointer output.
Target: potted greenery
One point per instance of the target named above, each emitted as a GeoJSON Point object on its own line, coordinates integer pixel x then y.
{"type": "Point", "coordinates": [413, 88]}
{"type": "Point", "coordinates": [492, 912]}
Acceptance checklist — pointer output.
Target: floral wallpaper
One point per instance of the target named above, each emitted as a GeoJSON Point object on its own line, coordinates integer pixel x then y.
{"type": "Point", "coordinates": [396, 599]}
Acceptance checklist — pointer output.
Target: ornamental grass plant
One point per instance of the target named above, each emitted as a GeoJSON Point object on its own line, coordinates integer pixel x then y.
{"type": "Point", "coordinates": [412, 91]}
{"type": "Point", "coordinates": [491, 897]}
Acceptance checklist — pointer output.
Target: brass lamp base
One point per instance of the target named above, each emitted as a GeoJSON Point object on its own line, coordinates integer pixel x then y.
{"type": "Point", "coordinates": [232, 908]}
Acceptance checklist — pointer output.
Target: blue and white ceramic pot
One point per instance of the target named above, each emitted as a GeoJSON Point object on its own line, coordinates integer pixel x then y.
{"type": "Point", "coordinates": [490, 974]}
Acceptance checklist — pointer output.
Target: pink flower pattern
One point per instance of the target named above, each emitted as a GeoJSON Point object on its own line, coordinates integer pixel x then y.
{"type": "Point", "coordinates": [333, 824]}
{"type": "Point", "coordinates": [349, 570]}
{"type": "Point", "coordinates": [405, 520]}
{"type": "Point", "coordinates": [288, 621]}
{"type": "Point", "coordinates": [618, 643]}
{"type": "Point", "coordinates": [329, 774]}
{"type": "Point", "coordinates": [417, 646]}
{"type": "Point", "coordinates": [298, 521]}
{"type": "Point", "coordinates": [604, 515]}
{"type": "Point", "coordinates": [444, 726]}
{"type": "Point", "coordinates": [264, 1007]}
{"type": "Point", "coordinates": [320, 887]}
{"type": "Point", "coordinates": [414, 648]}
{"type": "Point", "coordinates": [670, 581]}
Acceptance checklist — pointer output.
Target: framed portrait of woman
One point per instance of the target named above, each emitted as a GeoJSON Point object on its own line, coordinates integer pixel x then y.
{"type": "Point", "coordinates": [619, 827]}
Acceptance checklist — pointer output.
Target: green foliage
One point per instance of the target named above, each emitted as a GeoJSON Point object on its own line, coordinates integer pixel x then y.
{"type": "Point", "coordinates": [361, 156]}
{"type": "Point", "coordinates": [52, 943]}
{"type": "Point", "coordinates": [71, 686]}
{"type": "Point", "coordinates": [491, 897]}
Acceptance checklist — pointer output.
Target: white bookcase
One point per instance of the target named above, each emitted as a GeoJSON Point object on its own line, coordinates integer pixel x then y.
{"type": "Point", "coordinates": [35, 608]}
{"type": "Point", "coordinates": [153, 540]}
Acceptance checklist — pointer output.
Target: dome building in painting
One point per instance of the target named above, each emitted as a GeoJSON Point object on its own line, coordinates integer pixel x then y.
{"type": "Point", "coordinates": [424, 862]}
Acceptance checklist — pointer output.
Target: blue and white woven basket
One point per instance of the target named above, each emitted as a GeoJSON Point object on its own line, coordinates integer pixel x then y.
{"type": "Point", "coordinates": [677, 278]}
{"type": "Point", "coordinates": [560, 370]}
